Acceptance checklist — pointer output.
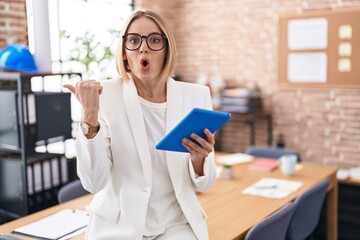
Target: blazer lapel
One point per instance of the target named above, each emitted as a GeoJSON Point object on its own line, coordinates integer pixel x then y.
{"type": "Point", "coordinates": [175, 161]}
{"type": "Point", "coordinates": [135, 117]}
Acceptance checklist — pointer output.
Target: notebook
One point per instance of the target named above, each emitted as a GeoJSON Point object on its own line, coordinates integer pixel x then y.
{"type": "Point", "coordinates": [194, 122]}
{"type": "Point", "coordinates": [264, 164]}
{"type": "Point", "coordinates": [56, 226]}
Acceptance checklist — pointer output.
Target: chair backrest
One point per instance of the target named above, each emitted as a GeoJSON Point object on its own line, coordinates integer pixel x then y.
{"type": "Point", "coordinates": [307, 212]}
{"type": "Point", "coordinates": [273, 227]}
{"type": "Point", "coordinates": [270, 151]}
{"type": "Point", "coordinates": [70, 191]}
{"type": "Point", "coordinates": [8, 237]}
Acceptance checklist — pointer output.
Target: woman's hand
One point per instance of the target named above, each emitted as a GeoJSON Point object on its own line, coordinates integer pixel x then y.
{"type": "Point", "coordinates": [200, 150]}
{"type": "Point", "coordinates": [87, 92]}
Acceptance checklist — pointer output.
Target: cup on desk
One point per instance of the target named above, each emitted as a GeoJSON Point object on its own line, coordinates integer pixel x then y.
{"type": "Point", "coordinates": [288, 164]}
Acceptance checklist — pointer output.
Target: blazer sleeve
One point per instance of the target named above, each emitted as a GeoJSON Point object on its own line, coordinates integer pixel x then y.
{"type": "Point", "coordinates": [201, 183]}
{"type": "Point", "coordinates": [94, 158]}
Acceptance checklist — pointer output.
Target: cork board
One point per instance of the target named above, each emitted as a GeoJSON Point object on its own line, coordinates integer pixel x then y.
{"type": "Point", "coordinates": [320, 48]}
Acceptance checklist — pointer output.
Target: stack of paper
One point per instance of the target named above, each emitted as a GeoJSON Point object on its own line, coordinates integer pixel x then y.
{"type": "Point", "coordinates": [343, 173]}
{"type": "Point", "coordinates": [273, 188]}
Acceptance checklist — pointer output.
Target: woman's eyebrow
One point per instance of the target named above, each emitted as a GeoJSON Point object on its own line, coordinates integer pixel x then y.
{"type": "Point", "coordinates": [146, 34]}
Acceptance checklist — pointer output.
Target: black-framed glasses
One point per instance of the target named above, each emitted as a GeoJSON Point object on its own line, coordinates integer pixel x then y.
{"type": "Point", "coordinates": [155, 41]}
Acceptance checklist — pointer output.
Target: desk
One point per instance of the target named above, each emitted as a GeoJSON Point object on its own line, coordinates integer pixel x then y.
{"type": "Point", "coordinates": [230, 213]}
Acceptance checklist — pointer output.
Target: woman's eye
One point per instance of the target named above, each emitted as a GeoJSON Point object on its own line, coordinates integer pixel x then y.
{"type": "Point", "coordinates": [155, 40]}
{"type": "Point", "coordinates": [134, 40]}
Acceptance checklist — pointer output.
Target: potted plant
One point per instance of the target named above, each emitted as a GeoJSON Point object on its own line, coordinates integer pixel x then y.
{"type": "Point", "coordinates": [227, 171]}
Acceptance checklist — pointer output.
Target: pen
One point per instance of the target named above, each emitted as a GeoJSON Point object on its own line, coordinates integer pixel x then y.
{"type": "Point", "coordinates": [266, 187]}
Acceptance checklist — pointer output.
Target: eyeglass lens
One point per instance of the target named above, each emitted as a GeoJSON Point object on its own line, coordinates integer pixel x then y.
{"type": "Point", "coordinates": [133, 41]}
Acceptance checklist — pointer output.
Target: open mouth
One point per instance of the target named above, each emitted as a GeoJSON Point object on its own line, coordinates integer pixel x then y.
{"type": "Point", "coordinates": [144, 62]}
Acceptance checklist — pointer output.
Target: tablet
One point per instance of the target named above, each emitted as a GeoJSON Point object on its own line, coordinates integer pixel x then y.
{"type": "Point", "coordinates": [194, 122]}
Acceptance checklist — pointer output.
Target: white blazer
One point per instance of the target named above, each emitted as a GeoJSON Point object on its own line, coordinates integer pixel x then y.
{"type": "Point", "coordinates": [116, 164]}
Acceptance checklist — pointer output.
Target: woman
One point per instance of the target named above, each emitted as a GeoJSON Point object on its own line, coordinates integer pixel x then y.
{"type": "Point", "coordinates": [141, 192]}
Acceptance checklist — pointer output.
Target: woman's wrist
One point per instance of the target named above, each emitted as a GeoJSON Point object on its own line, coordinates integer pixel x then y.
{"type": "Point", "coordinates": [91, 119]}
{"type": "Point", "coordinates": [198, 166]}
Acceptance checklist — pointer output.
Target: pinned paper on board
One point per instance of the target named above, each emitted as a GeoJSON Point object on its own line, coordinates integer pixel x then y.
{"type": "Point", "coordinates": [344, 65]}
{"type": "Point", "coordinates": [305, 34]}
{"type": "Point", "coordinates": [344, 49]}
{"type": "Point", "coordinates": [307, 67]}
{"type": "Point", "coordinates": [345, 32]}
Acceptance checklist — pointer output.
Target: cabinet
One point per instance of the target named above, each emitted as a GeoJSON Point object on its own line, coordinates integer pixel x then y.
{"type": "Point", "coordinates": [29, 179]}
{"type": "Point", "coordinates": [348, 212]}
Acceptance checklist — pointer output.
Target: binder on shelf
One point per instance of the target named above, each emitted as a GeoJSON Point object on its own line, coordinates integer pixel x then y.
{"type": "Point", "coordinates": [64, 170]}
{"type": "Point", "coordinates": [46, 168]}
{"type": "Point", "coordinates": [30, 179]}
{"type": "Point", "coordinates": [37, 174]}
{"type": "Point", "coordinates": [30, 109]}
{"type": "Point", "coordinates": [55, 171]}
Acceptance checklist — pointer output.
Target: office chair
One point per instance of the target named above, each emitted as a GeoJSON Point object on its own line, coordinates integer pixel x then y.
{"type": "Point", "coordinates": [270, 151]}
{"type": "Point", "coordinates": [307, 212]}
{"type": "Point", "coordinates": [70, 191]}
{"type": "Point", "coordinates": [273, 227]}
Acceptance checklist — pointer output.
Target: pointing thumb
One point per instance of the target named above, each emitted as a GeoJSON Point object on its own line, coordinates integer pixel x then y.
{"type": "Point", "coordinates": [70, 87]}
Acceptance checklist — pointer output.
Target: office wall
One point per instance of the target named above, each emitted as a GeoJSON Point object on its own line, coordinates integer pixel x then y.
{"type": "Point", "coordinates": [239, 41]}
{"type": "Point", "coordinates": [13, 27]}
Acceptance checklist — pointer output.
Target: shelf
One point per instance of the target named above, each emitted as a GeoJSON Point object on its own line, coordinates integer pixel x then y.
{"type": "Point", "coordinates": [30, 180]}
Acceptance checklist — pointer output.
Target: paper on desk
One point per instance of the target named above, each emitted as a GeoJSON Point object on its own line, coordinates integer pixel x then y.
{"type": "Point", "coordinates": [57, 225]}
{"type": "Point", "coordinates": [273, 188]}
{"type": "Point", "coordinates": [235, 158]}
{"type": "Point", "coordinates": [343, 173]}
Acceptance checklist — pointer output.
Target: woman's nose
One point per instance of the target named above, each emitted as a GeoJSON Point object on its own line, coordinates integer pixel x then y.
{"type": "Point", "coordinates": [144, 47]}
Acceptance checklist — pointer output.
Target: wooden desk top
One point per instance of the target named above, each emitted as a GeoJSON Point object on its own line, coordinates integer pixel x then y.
{"type": "Point", "coordinates": [230, 213]}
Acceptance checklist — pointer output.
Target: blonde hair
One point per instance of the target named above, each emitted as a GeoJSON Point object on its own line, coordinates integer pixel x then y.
{"type": "Point", "coordinates": [170, 57]}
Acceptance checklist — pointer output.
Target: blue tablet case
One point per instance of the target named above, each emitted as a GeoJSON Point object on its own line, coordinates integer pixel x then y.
{"type": "Point", "coordinates": [194, 122]}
